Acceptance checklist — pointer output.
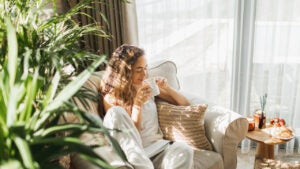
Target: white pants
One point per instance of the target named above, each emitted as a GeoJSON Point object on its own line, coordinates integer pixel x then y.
{"type": "Point", "coordinates": [175, 156]}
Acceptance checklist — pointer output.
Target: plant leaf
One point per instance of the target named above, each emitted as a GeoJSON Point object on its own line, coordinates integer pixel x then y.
{"type": "Point", "coordinates": [117, 147]}
{"type": "Point", "coordinates": [24, 151]}
{"type": "Point", "coordinates": [74, 86]}
{"type": "Point", "coordinates": [31, 90]}
{"type": "Point", "coordinates": [97, 122]}
{"type": "Point", "coordinates": [52, 89]}
{"type": "Point", "coordinates": [62, 128]}
{"type": "Point", "coordinates": [12, 51]}
{"type": "Point", "coordinates": [12, 164]}
{"type": "Point", "coordinates": [97, 162]}
{"type": "Point", "coordinates": [68, 92]}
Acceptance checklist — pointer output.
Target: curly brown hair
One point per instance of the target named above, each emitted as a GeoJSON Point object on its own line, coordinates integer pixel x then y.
{"type": "Point", "coordinates": [117, 77]}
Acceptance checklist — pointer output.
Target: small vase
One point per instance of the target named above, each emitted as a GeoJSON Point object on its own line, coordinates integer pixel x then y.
{"type": "Point", "coordinates": [262, 121]}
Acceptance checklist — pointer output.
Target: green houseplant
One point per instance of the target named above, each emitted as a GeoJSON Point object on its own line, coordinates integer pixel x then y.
{"type": "Point", "coordinates": [51, 40]}
{"type": "Point", "coordinates": [35, 93]}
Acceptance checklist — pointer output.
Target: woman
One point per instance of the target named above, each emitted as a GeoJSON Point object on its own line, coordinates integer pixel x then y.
{"type": "Point", "coordinates": [129, 107]}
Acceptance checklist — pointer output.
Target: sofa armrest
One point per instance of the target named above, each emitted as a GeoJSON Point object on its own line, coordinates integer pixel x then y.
{"type": "Point", "coordinates": [224, 128]}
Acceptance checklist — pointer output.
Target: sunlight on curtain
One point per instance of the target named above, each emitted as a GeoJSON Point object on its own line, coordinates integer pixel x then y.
{"type": "Point", "coordinates": [276, 59]}
{"type": "Point", "coordinates": [198, 36]}
{"type": "Point", "coordinates": [276, 64]}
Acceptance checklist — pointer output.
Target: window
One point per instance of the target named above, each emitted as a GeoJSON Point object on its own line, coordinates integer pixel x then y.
{"type": "Point", "coordinates": [197, 36]}
{"type": "Point", "coordinates": [200, 35]}
{"type": "Point", "coordinates": [276, 58]}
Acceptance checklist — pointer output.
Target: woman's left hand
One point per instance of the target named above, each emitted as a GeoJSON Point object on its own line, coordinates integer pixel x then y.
{"type": "Point", "coordinates": [167, 93]}
{"type": "Point", "coordinates": [161, 82]}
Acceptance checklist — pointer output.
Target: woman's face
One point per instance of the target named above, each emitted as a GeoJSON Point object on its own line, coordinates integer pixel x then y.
{"type": "Point", "coordinates": [139, 71]}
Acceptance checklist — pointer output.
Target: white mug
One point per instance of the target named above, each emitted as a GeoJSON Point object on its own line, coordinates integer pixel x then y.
{"type": "Point", "coordinates": [153, 86]}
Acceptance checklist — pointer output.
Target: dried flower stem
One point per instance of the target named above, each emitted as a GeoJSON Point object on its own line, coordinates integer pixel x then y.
{"type": "Point", "coordinates": [263, 101]}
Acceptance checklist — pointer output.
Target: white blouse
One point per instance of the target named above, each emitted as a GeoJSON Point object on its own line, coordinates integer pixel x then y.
{"type": "Point", "coordinates": [150, 131]}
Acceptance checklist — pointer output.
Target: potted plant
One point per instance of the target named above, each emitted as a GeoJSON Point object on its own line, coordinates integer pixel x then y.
{"type": "Point", "coordinates": [34, 91]}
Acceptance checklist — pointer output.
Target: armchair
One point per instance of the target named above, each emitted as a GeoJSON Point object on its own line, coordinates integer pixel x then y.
{"type": "Point", "coordinates": [224, 128]}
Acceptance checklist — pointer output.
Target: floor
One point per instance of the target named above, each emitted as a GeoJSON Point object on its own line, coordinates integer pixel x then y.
{"type": "Point", "coordinates": [246, 160]}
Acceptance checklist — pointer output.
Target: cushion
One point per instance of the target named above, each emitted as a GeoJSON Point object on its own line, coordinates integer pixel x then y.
{"type": "Point", "coordinates": [165, 69]}
{"type": "Point", "coordinates": [93, 87]}
{"type": "Point", "coordinates": [183, 123]}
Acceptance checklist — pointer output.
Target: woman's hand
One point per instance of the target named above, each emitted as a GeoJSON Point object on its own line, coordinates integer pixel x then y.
{"type": "Point", "coordinates": [169, 94]}
{"type": "Point", "coordinates": [142, 95]}
{"type": "Point", "coordinates": [161, 82]}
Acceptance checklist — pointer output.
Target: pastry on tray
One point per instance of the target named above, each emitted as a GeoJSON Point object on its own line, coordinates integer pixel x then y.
{"type": "Point", "coordinates": [283, 132]}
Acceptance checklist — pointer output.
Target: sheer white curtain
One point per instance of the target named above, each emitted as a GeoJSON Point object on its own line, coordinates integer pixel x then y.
{"type": "Point", "coordinates": [197, 36]}
{"type": "Point", "coordinates": [229, 51]}
{"type": "Point", "coordinates": [276, 58]}
{"type": "Point", "coordinates": [276, 61]}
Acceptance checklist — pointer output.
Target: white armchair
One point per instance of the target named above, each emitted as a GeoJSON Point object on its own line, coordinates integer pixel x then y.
{"type": "Point", "coordinates": [224, 128]}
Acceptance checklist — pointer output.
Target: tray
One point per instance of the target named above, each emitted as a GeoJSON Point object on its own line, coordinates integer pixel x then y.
{"type": "Point", "coordinates": [275, 131]}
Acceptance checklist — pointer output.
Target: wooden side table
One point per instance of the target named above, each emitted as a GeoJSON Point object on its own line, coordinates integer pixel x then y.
{"type": "Point", "coordinates": [265, 142]}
